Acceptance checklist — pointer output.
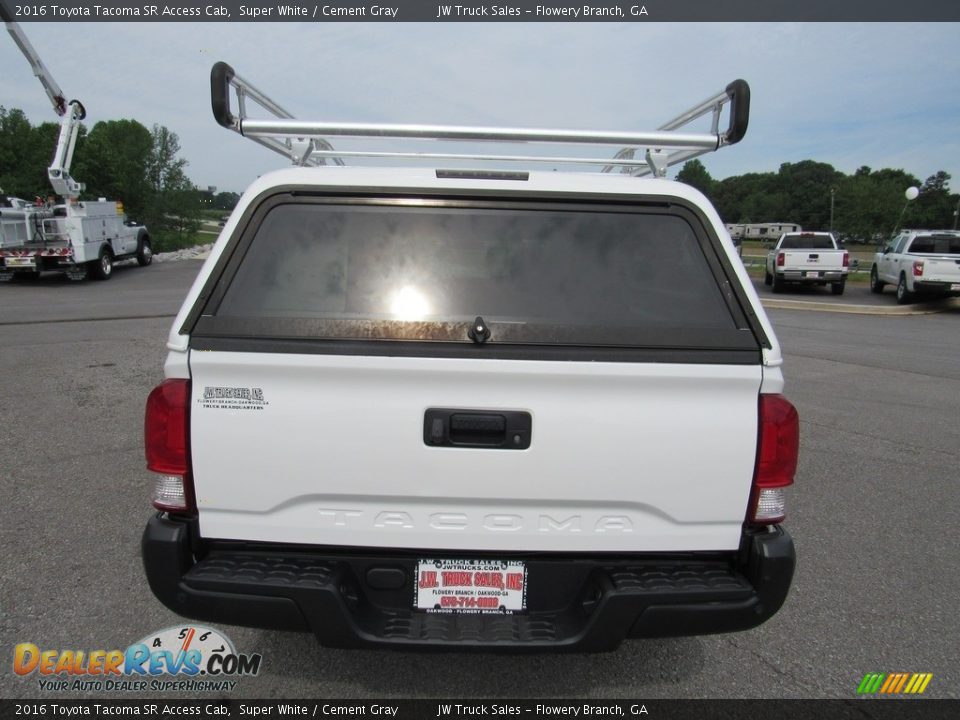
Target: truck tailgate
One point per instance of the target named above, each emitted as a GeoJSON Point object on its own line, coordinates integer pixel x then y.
{"type": "Point", "coordinates": [941, 270]}
{"type": "Point", "coordinates": [813, 260]}
{"type": "Point", "coordinates": [330, 450]}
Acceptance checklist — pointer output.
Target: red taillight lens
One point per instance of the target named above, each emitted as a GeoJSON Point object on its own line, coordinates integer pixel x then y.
{"type": "Point", "coordinates": [166, 442]}
{"type": "Point", "coordinates": [917, 268]}
{"type": "Point", "coordinates": [846, 259]}
{"type": "Point", "coordinates": [777, 453]}
{"type": "Point", "coordinates": [165, 428]}
{"type": "Point", "coordinates": [780, 259]}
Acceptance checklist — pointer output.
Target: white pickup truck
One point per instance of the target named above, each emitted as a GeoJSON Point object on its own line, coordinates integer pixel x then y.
{"type": "Point", "coordinates": [415, 407]}
{"type": "Point", "coordinates": [807, 258]}
{"type": "Point", "coordinates": [919, 262]}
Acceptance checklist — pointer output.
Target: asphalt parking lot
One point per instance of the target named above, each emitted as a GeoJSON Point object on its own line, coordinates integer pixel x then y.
{"type": "Point", "coordinates": [854, 294]}
{"type": "Point", "coordinates": [856, 299]}
{"type": "Point", "coordinates": [873, 514]}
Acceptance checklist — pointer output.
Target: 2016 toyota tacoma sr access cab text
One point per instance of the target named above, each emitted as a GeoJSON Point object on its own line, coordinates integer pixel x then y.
{"type": "Point", "coordinates": [413, 407]}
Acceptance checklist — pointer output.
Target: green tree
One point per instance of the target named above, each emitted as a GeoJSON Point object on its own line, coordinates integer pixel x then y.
{"type": "Point", "coordinates": [225, 200]}
{"type": "Point", "coordinates": [118, 159]}
{"type": "Point", "coordinates": [869, 203]}
{"type": "Point", "coordinates": [173, 210]}
{"type": "Point", "coordinates": [184, 212]}
{"type": "Point", "coordinates": [935, 206]}
{"type": "Point", "coordinates": [744, 198]}
{"type": "Point", "coordinates": [113, 163]}
{"type": "Point", "coordinates": [25, 154]}
{"type": "Point", "coordinates": [805, 191]}
{"type": "Point", "coordinates": [14, 136]}
{"type": "Point", "coordinates": [693, 173]}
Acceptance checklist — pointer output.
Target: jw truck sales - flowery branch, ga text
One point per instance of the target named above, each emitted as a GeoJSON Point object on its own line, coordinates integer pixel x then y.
{"type": "Point", "coordinates": [312, 11]}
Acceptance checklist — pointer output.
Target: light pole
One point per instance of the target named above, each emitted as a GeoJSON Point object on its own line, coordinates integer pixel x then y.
{"type": "Point", "coordinates": [833, 192]}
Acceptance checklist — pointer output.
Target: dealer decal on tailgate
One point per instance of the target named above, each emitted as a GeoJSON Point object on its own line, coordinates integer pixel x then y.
{"type": "Point", "coordinates": [471, 586]}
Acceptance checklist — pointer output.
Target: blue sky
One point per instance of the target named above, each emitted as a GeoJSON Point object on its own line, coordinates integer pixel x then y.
{"type": "Point", "coordinates": [883, 95]}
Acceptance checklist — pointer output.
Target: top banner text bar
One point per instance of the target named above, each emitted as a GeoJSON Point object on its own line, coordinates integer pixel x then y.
{"type": "Point", "coordinates": [507, 11]}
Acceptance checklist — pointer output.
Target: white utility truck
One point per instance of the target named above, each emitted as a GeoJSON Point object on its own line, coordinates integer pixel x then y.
{"type": "Point", "coordinates": [807, 258]}
{"type": "Point", "coordinates": [472, 408]}
{"type": "Point", "coordinates": [78, 237]}
{"type": "Point", "coordinates": [919, 262]}
{"type": "Point", "coordinates": [15, 224]}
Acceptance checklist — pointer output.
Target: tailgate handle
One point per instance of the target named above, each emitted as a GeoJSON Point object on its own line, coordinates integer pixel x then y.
{"type": "Point", "coordinates": [501, 429]}
{"type": "Point", "coordinates": [468, 425]}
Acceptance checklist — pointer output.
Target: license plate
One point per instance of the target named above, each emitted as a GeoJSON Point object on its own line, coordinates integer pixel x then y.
{"type": "Point", "coordinates": [955, 286]}
{"type": "Point", "coordinates": [471, 586]}
{"type": "Point", "coordinates": [813, 274]}
{"type": "Point", "coordinates": [27, 262]}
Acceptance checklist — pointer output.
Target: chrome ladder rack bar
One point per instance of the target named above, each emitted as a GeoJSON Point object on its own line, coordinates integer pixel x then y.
{"type": "Point", "coordinates": [305, 143]}
{"type": "Point", "coordinates": [737, 93]}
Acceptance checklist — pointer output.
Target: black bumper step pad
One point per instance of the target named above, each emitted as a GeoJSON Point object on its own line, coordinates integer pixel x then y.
{"type": "Point", "coordinates": [613, 590]}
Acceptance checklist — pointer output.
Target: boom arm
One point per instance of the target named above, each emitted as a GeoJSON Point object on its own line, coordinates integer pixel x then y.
{"type": "Point", "coordinates": [39, 69]}
{"type": "Point", "coordinates": [71, 113]}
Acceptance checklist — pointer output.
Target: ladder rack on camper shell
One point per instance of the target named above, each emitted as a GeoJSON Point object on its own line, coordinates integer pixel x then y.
{"type": "Point", "coordinates": [305, 143]}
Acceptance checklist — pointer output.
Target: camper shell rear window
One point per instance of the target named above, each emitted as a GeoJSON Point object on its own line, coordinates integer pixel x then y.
{"type": "Point", "coordinates": [424, 270]}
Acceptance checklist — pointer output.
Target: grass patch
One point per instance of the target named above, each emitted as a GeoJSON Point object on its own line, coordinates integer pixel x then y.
{"type": "Point", "coordinates": [171, 241]}
{"type": "Point", "coordinates": [863, 253]}
{"type": "Point", "coordinates": [859, 277]}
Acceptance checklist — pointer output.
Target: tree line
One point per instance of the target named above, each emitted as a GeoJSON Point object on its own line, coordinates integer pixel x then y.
{"type": "Point", "coordinates": [117, 159]}
{"type": "Point", "coordinates": [867, 205]}
{"type": "Point", "coordinates": [123, 160]}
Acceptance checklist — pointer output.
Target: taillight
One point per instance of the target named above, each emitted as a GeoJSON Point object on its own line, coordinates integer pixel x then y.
{"type": "Point", "coordinates": [777, 452]}
{"type": "Point", "coordinates": [780, 259]}
{"type": "Point", "coordinates": [846, 259]}
{"type": "Point", "coordinates": [917, 268]}
{"type": "Point", "coordinates": [166, 433]}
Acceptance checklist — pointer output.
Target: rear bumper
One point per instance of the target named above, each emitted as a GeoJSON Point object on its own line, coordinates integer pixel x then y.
{"type": "Point", "coordinates": [804, 276]}
{"type": "Point", "coordinates": [936, 286]}
{"type": "Point", "coordinates": [352, 598]}
{"type": "Point", "coordinates": [36, 260]}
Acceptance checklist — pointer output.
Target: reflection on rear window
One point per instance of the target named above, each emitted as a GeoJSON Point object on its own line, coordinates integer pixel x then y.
{"type": "Point", "coordinates": [543, 275]}
{"type": "Point", "coordinates": [935, 245]}
{"type": "Point", "coordinates": [803, 242]}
